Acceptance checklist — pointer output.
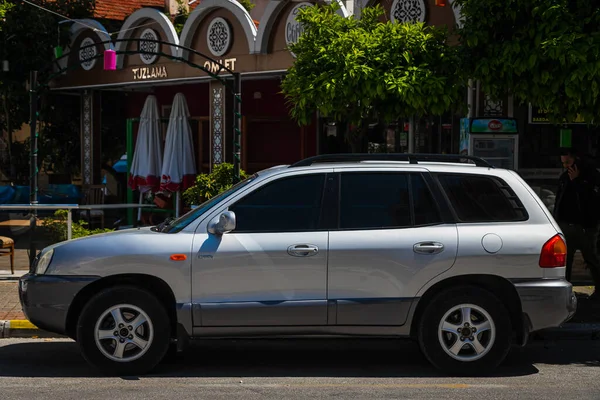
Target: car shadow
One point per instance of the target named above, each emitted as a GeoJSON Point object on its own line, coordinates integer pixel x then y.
{"type": "Point", "coordinates": [348, 358]}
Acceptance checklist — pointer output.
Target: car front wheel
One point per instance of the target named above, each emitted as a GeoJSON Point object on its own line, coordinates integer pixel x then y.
{"type": "Point", "coordinates": [124, 331]}
{"type": "Point", "coordinates": [465, 331]}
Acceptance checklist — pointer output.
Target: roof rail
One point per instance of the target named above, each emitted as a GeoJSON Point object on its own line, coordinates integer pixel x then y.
{"type": "Point", "coordinates": [411, 158]}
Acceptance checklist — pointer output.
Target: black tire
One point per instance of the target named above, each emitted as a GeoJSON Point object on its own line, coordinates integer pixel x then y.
{"type": "Point", "coordinates": [102, 302]}
{"type": "Point", "coordinates": [429, 327]}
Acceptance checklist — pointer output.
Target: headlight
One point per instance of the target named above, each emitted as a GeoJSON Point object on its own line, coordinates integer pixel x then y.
{"type": "Point", "coordinates": [44, 262]}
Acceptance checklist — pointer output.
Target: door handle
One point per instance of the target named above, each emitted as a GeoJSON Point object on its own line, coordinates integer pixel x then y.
{"type": "Point", "coordinates": [303, 250]}
{"type": "Point", "coordinates": [428, 248]}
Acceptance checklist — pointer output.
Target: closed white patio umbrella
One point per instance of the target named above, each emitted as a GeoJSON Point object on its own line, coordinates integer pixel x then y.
{"type": "Point", "coordinates": [179, 166]}
{"type": "Point", "coordinates": [146, 165]}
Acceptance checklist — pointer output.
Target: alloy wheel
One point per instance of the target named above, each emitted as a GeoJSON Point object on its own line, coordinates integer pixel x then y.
{"type": "Point", "coordinates": [124, 333]}
{"type": "Point", "coordinates": [467, 332]}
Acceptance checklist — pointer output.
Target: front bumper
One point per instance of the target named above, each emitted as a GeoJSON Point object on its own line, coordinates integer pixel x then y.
{"type": "Point", "coordinates": [546, 303]}
{"type": "Point", "coordinates": [46, 299]}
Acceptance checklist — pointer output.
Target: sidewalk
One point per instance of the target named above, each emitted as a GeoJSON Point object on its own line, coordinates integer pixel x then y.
{"type": "Point", "coordinates": [10, 307]}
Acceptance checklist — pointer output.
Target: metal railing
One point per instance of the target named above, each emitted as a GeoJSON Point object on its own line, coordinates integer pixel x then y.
{"type": "Point", "coordinates": [70, 208]}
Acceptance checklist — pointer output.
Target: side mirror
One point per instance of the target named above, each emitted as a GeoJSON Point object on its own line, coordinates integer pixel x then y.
{"type": "Point", "coordinates": [224, 223]}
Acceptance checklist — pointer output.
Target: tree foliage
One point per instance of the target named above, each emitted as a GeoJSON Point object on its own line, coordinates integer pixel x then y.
{"type": "Point", "coordinates": [28, 36]}
{"type": "Point", "coordinates": [540, 51]}
{"type": "Point", "coordinates": [247, 4]}
{"type": "Point", "coordinates": [358, 69]}
{"type": "Point", "coordinates": [210, 185]}
{"type": "Point", "coordinates": [59, 144]}
{"type": "Point", "coordinates": [58, 229]}
{"type": "Point", "coordinates": [183, 14]}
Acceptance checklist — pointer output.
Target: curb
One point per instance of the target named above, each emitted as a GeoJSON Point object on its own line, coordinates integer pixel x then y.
{"type": "Point", "coordinates": [570, 331]}
{"type": "Point", "coordinates": [23, 329]}
{"type": "Point", "coordinates": [7, 276]}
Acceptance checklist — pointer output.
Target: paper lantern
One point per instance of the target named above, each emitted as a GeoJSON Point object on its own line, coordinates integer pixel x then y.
{"type": "Point", "coordinates": [440, 3]}
{"type": "Point", "coordinates": [110, 60]}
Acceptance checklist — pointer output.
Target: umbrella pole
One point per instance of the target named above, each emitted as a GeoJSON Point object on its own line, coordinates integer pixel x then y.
{"type": "Point", "coordinates": [177, 201]}
{"type": "Point", "coordinates": [139, 216]}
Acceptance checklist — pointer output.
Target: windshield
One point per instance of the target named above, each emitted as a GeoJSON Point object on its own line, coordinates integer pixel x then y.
{"type": "Point", "coordinates": [186, 219]}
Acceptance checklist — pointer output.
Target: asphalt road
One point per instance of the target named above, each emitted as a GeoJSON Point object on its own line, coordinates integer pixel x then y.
{"type": "Point", "coordinates": [300, 369]}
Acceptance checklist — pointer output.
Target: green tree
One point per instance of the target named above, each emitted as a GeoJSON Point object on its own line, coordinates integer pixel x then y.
{"type": "Point", "coordinates": [28, 36]}
{"type": "Point", "coordinates": [208, 186]}
{"type": "Point", "coordinates": [356, 71]}
{"type": "Point", "coordinates": [183, 14]}
{"type": "Point", "coordinates": [247, 4]}
{"type": "Point", "coordinates": [543, 52]}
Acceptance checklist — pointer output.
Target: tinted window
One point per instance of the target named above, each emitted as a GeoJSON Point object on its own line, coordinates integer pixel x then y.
{"type": "Point", "coordinates": [426, 211]}
{"type": "Point", "coordinates": [286, 205]}
{"type": "Point", "coordinates": [374, 200]}
{"type": "Point", "coordinates": [186, 219]}
{"type": "Point", "coordinates": [482, 199]}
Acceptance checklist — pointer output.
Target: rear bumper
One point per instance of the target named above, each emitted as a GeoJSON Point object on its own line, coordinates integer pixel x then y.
{"type": "Point", "coordinates": [46, 299]}
{"type": "Point", "coordinates": [546, 303]}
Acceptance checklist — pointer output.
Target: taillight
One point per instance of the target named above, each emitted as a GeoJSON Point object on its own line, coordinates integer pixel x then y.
{"type": "Point", "coordinates": [554, 253]}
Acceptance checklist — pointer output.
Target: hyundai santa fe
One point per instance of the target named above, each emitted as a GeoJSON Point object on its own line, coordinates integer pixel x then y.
{"type": "Point", "coordinates": [460, 256]}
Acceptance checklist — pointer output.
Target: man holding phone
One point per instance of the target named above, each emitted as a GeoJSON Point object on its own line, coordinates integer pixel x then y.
{"type": "Point", "coordinates": [577, 212]}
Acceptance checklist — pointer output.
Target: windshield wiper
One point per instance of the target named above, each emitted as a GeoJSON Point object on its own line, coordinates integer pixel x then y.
{"type": "Point", "coordinates": [163, 225]}
{"type": "Point", "coordinates": [167, 223]}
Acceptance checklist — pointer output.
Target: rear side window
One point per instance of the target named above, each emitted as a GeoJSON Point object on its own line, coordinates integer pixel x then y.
{"type": "Point", "coordinates": [375, 200]}
{"type": "Point", "coordinates": [482, 198]}
{"type": "Point", "coordinates": [426, 211]}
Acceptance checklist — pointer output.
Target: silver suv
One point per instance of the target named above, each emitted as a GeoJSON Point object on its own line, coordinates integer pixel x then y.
{"type": "Point", "coordinates": [462, 257]}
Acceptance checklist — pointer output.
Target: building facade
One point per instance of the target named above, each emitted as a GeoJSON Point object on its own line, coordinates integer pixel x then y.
{"type": "Point", "coordinates": [256, 46]}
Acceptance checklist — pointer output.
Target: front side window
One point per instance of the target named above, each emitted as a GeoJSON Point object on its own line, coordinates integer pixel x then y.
{"type": "Point", "coordinates": [286, 205]}
{"type": "Point", "coordinates": [186, 219]}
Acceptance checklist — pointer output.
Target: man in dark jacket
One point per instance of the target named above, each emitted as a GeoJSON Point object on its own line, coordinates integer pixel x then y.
{"type": "Point", "coordinates": [577, 212]}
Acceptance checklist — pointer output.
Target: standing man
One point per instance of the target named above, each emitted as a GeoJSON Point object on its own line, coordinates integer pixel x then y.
{"type": "Point", "coordinates": [578, 213]}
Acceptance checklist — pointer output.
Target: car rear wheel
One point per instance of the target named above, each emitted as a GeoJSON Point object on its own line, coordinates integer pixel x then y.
{"type": "Point", "coordinates": [124, 331]}
{"type": "Point", "coordinates": [465, 331]}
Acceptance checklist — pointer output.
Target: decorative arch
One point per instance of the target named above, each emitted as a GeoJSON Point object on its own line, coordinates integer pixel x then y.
{"type": "Point", "coordinates": [270, 17]}
{"type": "Point", "coordinates": [82, 25]}
{"type": "Point", "coordinates": [342, 11]}
{"type": "Point", "coordinates": [455, 10]}
{"type": "Point", "coordinates": [135, 20]}
{"type": "Point", "coordinates": [205, 7]}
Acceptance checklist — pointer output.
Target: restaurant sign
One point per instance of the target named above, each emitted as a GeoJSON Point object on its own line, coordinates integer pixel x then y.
{"type": "Point", "coordinates": [215, 66]}
{"type": "Point", "coordinates": [538, 115]}
{"type": "Point", "coordinates": [160, 72]}
{"type": "Point", "coordinates": [145, 73]}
